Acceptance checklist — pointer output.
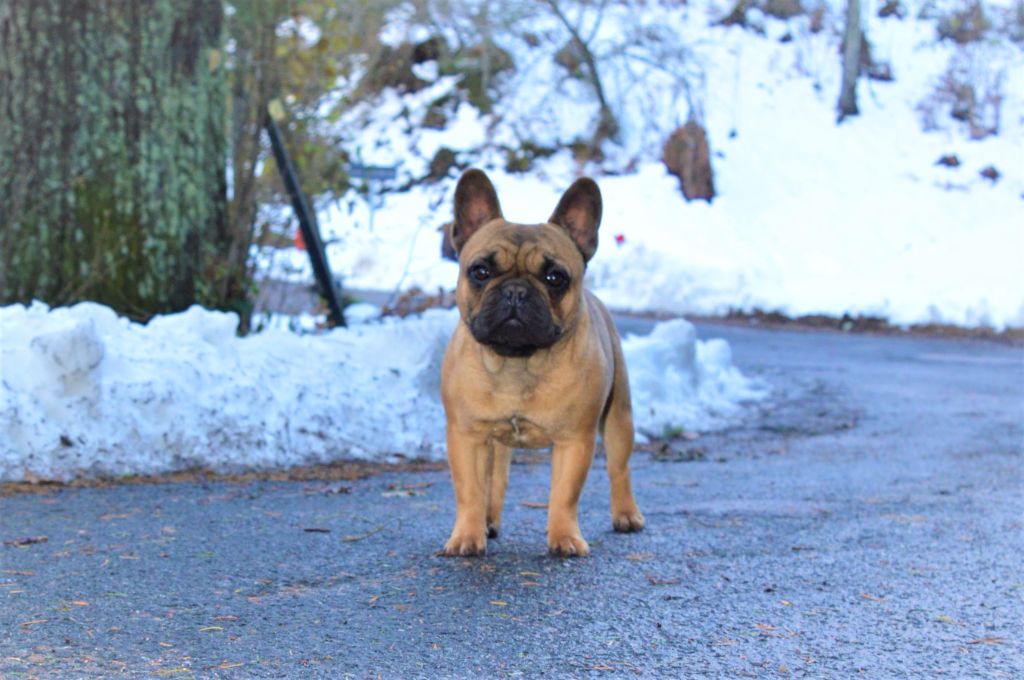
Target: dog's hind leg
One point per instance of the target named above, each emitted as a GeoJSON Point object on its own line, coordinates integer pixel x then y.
{"type": "Point", "coordinates": [498, 472]}
{"type": "Point", "coordinates": [617, 433]}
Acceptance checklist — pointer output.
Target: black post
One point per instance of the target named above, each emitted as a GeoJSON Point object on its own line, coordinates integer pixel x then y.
{"type": "Point", "coordinates": [308, 225]}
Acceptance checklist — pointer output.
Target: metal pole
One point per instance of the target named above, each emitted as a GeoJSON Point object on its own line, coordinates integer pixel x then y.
{"type": "Point", "coordinates": [307, 223]}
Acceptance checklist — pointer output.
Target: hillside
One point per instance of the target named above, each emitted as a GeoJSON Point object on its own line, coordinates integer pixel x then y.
{"type": "Point", "coordinates": [810, 217]}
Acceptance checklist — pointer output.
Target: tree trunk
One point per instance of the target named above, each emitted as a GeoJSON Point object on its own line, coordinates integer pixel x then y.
{"type": "Point", "coordinates": [112, 155]}
{"type": "Point", "coordinates": [851, 61]}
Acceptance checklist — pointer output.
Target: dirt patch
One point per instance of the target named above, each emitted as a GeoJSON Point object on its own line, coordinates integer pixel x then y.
{"type": "Point", "coordinates": [339, 471]}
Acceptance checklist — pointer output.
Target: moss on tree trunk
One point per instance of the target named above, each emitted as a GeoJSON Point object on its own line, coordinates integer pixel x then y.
{"type": "Point", "coordinates": [112, 155]}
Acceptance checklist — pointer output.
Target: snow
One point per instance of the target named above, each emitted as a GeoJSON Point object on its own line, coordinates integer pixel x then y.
{"type": "Point", "coordinates": [84, 392]}
{"type": "Point", "coordinates": [811, 217]}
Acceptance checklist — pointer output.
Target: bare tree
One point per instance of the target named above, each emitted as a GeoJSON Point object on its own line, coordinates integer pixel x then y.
{"type": "Point", "coordinates": [851, 61]}
{"type": "Point", "coordinates": [608, 124]}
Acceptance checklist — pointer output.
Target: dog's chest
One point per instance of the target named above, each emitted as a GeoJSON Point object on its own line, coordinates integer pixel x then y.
{"type": "Point", "coordinates": [520, 432]}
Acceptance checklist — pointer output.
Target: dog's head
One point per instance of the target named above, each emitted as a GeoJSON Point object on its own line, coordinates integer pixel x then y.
{"type": "Point", "coordinates": [520, 285]}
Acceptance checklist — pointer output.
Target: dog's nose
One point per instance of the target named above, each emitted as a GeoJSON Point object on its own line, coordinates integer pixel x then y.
{"type": "Point", "coordinates": [514, 292]}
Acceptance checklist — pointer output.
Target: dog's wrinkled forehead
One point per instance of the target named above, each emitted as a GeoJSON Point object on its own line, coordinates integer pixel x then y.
{"type": "Point", "coordinates": [524, 247]}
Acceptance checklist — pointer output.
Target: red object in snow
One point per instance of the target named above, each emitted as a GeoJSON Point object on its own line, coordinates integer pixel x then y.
{"type": "Point", "coordinates": [620, 239]}
{"type": "Point", "coordinates": [299, 242]}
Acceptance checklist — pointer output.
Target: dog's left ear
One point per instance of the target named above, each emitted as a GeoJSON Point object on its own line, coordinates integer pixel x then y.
{"type": "Point", "coordinates": [579, 212]}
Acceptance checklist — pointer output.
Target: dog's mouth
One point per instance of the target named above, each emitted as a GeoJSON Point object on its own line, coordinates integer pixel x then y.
{"type": "Point", "coordinates": [512, 336]}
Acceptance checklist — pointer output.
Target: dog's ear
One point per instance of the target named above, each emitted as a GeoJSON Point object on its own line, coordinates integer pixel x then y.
{"type": "Point", "coordinates": [579, 213]}
{"type": "Point", "coordinates": [476, 204]}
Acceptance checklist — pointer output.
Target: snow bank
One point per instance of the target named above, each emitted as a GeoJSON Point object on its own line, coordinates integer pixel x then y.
{"type": "Point", "coordinates": [84, 392]}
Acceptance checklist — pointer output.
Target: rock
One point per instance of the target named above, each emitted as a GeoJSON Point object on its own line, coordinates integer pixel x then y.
{"type": "Point", "coordinates": [950, 160]}
{"type": "Point", "coordinates": [892, 8]}
{"type": "Point", "coordinates": [989, 172]}
{"type": "Point", "coordinates": [687, 156]}
{"type": "Point", "coordinates": [783, 9]}
{"type": "Point", "coordinates": [441, 164]}
{"type": "Point", "coordinates": [393, 68]}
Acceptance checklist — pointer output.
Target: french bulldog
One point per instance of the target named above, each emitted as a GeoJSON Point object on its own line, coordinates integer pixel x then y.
{"type": "Point", "coordinates": [535, 362]}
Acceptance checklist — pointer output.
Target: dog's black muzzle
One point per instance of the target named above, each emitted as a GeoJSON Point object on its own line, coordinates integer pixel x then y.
{"type": "Point", "coordinates": [515, 320]}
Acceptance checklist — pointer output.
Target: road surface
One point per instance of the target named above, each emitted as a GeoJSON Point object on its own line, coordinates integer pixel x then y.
{"type": "Point", "coordinates": [866, 521]}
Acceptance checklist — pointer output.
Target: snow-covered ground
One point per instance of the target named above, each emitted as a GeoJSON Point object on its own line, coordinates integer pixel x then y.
{"type": "Point", "coordinates": [84, 392]}
{"type": "Point", "coordinates": [811, 217]}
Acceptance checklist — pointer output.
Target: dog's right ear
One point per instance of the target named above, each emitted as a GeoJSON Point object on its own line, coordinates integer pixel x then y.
{"type": "Point", "coordinates": [476, 204]}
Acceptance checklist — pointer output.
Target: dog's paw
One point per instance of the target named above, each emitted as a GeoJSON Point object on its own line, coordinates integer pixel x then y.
{"type": "Point", "coordinates": [571, 545]}
{"type": "Point", "coordinates": [626, 522]}
{"type": "Point", "coordinates": [465, 545]}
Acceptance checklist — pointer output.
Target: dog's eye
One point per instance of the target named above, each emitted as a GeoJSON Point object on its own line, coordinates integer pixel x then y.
{"type": "Point", "coordinates": [556, 278]}
{"type": "Point", "coordinates": [479, 273]}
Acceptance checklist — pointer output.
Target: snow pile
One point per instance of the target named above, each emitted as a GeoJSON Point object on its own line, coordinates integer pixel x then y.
{"type": "Point", "coordinates": [84, 392]}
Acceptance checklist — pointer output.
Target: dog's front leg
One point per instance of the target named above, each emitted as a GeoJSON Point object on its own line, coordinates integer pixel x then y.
{"type": "Point", "coordinates": [570, 463]}
{"type": "Point", "coordinates": [468, 459]}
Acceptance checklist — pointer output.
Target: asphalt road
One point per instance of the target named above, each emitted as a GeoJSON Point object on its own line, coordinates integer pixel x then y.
{"type": "Point", "coordinates": [867, 521]}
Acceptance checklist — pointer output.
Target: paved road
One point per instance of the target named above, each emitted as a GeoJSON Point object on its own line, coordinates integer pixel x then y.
{"type": "Point", "coordinates": [867, 522]}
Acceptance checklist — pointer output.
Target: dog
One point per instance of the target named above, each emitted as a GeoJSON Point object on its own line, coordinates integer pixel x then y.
{"type": "Point", "coordinates": [534, 362]}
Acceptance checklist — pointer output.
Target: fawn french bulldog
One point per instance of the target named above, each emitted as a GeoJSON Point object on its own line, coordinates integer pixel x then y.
{"type": "Point", "coordinates": [535, 362]}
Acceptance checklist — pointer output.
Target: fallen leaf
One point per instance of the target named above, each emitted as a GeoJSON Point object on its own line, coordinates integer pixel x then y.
{"type": "Point", "coordinates": [658, 581]}
{"type": "Point", "coordinates": [17, 572]}
{"type": "Point", "coordinates": [26, 540]}
{"type": "Point", "coordinates": [225, 617]}
{"type": "Point", "coordinates": [173, 671]}
{"type": "Point", "coordinates": [208, 629]}
{"type": "Point", "coordinates": [110, 515]}
{"type": "Point", "coordinates": [529, 573]}
{"type": "Point", "coordinates": [534, 504]}
{"type": "Point", "coordinates": [766, 627]}
{"type": "Point", "coordinates": [358, 537]}
{"type": "Point", "coordinates": [26, 624]}
{"type": "Point", "coordinates": [499, 603]}
{"type": "Point", "coordinates": [942, 618]}
{"type": "Point", "coordinates": [80, 603]}
{"type": "Point", "coordinates": [988, 640]}
{"type": "Point", "coordinates": [417, 485]}
{"type": "Point", "coordinates": [224, 665]}
{"type": "Point", "coordinates": [785, 603]}
{"type": "Point", "coordinates": [873, 598]}
{"type": "Point", "coordinates": [639, 557]}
